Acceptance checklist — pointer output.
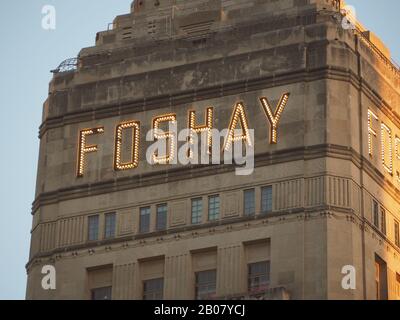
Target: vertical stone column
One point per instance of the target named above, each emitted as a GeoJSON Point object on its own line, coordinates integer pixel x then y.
{"type": "Point", "coordinates": [124, 282]}
{"type": "Point", "coordinates": [177, 280]}
{"type": "Point", "coordinates": [231, 273]}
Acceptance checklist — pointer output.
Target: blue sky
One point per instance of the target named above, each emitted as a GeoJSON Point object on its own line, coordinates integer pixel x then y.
{"type": "Point", "coordinates": [27, 54]}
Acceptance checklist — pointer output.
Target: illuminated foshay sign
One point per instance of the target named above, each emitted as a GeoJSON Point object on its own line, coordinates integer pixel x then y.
{"type": "Point", "coordinates": [383, 142]}
{"type": "Point", "coordinates": [238, 122]}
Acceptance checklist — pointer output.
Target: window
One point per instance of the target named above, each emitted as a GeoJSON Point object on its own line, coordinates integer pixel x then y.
{"type": "Point", "coordinates": [153, 289]}
{"type": "Point", "coordinates": [101, 293]}
{"type": "Point", "coordinates": [266, 199]}
{"type": "Point", "coordinates": [161, 223]}
{"type": "Point", "coordinates": [376, 213]}
{"type": "Point", "coordinates": [93, 228]}
{"type": "Point", "coordinates": [383, 221]}
{"type": "Point", "coordinates": [144, 223]}
{"type": "Point", "coordinates": [398, 285]}
{"type": "Point", "coordinates": [206, 284]}
{"type": "Point", "coordinates": [213, 208]}
{"type": "Point", "coordinates": [396, 233]}
{"type": "Point", "coordinates": [197, 210]}
{"type": "Point", "coordinates": [99, 282]}
{"type": "Point", "coordinates": [249, 202]}
{"type": "Point", "coordinates": [109, 227]}
{"type": "Point", "coordinates": [258, 276]}
{"type": "Point", "coordinates": [381, 278]}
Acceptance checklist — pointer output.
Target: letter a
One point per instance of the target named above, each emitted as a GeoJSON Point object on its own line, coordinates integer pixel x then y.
{"type": "Point", "coordinates": [349, 280]}
{"type": "Point", "coordinates": [49, 19]}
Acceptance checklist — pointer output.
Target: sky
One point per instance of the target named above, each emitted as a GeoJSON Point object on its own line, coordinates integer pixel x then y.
{"type": "Point", "coordinates": [27, 54]}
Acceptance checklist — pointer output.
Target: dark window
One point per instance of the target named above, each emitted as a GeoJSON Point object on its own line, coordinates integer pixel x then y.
{"type": "Point", "coordinates": [396, 234]}
{"type": "Point", "coordinates": [383, 221]}
{"type": "Point", "coordinates": [258, 276]}
{"type": "Point", "coordinates": [153, 289]}
{"type": "Point", "coordinates": [213, 208]}
{"type": "Point", "coordinates": [375, 208]}
{"type": "Point", "coordinates": [249, 202]}
{"type": "Point", "coordinates": [93, 228]}
{"type": "Point", "coordinates": [101, 293]}
{"type": "Point", "coordinates": [109, 227]}
{"type": "Point", "coordinates": [381, 279]}
{"type": "Point", "coordinates": [206, 284]}
{"type": "Point", "coordinates": [266, 199]}
{"type": "Point", "coordinates": [197, 210]}
{"type": "Point", "coordinates": [144, 223]}
{"type": "Point", "coordinates": [161, 223]}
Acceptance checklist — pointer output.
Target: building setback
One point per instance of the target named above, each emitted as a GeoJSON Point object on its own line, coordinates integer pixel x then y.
{"type": "Point", "coordinates": [321, 204]}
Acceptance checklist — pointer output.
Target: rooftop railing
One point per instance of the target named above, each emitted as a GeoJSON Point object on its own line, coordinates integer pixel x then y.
{"type": "Point", "coordinates": [67, 65]}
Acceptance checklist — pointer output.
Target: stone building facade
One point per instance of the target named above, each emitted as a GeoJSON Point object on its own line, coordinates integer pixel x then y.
{"type": "Point", "coordinates": [322, 200]}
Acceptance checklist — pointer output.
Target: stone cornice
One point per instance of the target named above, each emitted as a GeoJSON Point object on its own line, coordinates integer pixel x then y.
{"type": "Point", "coordinates": [98, 112]}
{"type": "Point", "coordinates": [222, 226]}
{"type": "Point", "coordinates": [184, 232]}
{"type": "Point", "coordinates": [190, 172]}
{"type": "Point", "coordinates": [113, 109]}
{"type": "Point", "coordinates": [170, 175]}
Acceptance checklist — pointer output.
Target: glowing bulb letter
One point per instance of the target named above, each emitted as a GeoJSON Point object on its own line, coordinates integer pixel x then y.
{"type": "Point", "coordinates": [169, 136]}
{"type": "Point", "coordinates": [201, 128]}
{"type": "Point", "coordinates": [83, 148]}
{"type": "Point", "coordinates": [275, 117]}
{"type": "Point", "coordinates": [387, 164]}
{"type": "Point", "coordinates": [371, 131]}
{"type": "Point", "coordinates": [239, 115]}
{"type": "Point", "coordinates": [134, 161]}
